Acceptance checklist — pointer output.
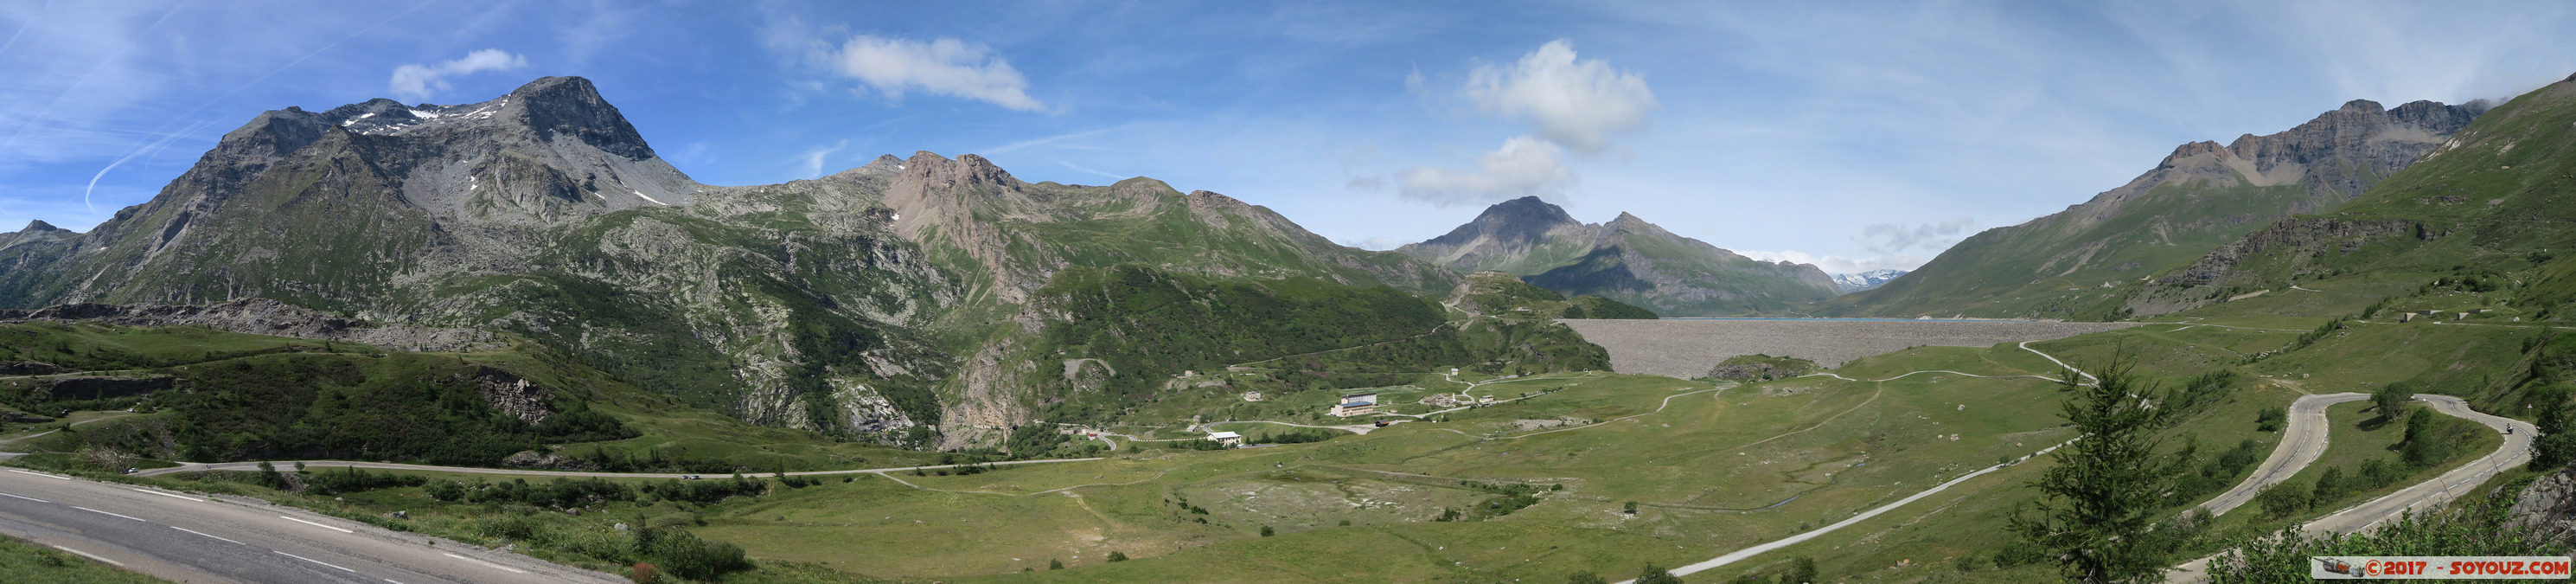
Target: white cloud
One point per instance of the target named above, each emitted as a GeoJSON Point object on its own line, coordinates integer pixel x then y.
{"type": "Point", "coordinates": [1080, 168]}
{"type": "Point", "coordinates": [1891, 238]}
{"type": "Point", "coordinates": [811, 162]}
{"type": "Point", "coordinates": [1576, 104]}
{"type": "Point", "coordinates": [945, 66]}
{"type": "Point", "coordinates": [1524, 166]}
{"type": "Point", "coordinates": [419, 81]}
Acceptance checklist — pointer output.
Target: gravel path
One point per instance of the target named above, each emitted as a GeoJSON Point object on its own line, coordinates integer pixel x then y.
{"type": "Point", "coordinates": [1688, 348]}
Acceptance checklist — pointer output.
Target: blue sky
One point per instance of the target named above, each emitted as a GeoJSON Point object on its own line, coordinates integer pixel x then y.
{"type": "Point", "coordinates": [1862, 136]}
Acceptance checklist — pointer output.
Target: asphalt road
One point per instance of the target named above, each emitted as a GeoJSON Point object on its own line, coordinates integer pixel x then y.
{"type": "Point", "coordinates": [184, 537]}
{"type": "Point", "coordinates": [2301, 443]}
{"type": "Point", "coordinates": [289, 466]}
{"type": "Point", "coordinates": [2515, 451]}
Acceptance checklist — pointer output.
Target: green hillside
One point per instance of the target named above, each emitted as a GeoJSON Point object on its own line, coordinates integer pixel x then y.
{"type": "Point", "coordinates": [1504, 295]}
{"type": "Point", "coordinates": [202, 395]}
{"type": "Point", "coordinates": [2071, 264]}
{"type": "Point", "coordinates": [1129, 333]}
{"type": "Point", "coordinates": [2485, 217]}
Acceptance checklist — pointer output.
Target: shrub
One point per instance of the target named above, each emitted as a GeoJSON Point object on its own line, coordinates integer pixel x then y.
{"type": "Point", "coordinates": [2271, 419]}
{"type": "Point", "coordinates": [1117, 556]}
{"type": "Point", "coordinates": [2284, 500]}
{"type": "Point", "coordinates": [1654, 574]}
{"type": "Point", "coordinates": [643, 573]}
{"type": "Point", "coordinates": [688, 556]}
{"type": "Point", "coordinates": [353, 479]}
{"type": "Point", "coordinates": [705, 492]}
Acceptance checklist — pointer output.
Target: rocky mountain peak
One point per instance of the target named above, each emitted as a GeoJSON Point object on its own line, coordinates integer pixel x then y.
{"type": "Point", "coordinates": [1635, 224]}
{"type": "Point", "coordinates": [936, 171]}
{"type": "Point", "coordinates": [39, 226]}
{"type": "Point", "coordinates": [1515, 222]}
{"type": "Point", "coordinates": [571, 105]}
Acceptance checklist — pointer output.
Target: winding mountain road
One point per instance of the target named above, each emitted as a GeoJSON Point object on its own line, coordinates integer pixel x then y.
{"type": "Point", "coordinates": [2301, 443]}
{"type": "Point", "coordinates": [2515, 451]}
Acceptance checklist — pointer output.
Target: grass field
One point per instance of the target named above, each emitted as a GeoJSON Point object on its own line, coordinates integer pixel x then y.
{"type": "Point", "coordinates": [1710, 468]}
{"type": "Point", "coordinates": [22, 561]}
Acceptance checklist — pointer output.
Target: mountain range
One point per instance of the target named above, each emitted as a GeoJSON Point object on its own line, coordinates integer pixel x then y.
{"type": "Point", "coordinates": [1869, 280]}
{"type": "Point", "coordinates": [2204, 195]}
{"type": "Point", "coordinates": [1625, 259]}
{"type": "Point", "coordinates": [890, 301]}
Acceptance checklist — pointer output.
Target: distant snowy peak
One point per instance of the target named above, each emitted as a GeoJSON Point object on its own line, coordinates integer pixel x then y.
{"type": "Point", "coordinates": [1865, 280]}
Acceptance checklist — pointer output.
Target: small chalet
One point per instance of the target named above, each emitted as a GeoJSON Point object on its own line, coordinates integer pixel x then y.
{"type": "Point", "coordinates": [1356, 404]}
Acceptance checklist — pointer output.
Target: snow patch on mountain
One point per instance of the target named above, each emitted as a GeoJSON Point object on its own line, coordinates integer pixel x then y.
{"type": "Point", "coordinates": [1865, 280]}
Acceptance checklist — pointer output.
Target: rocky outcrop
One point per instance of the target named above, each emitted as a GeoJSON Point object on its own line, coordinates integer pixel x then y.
{"type": "Point", "coordinates": [260, 316]}
{"type": "Point", "coordinates": [2547, 508]}
{"type": "Point", "coordinates": [2294, 239]}
{"type": "Point", "coordinates": [514, 395]}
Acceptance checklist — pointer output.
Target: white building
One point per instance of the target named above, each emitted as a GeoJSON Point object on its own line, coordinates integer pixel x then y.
{"type": "Point", "coordinates": [1355, 405]}
{"type": "Point", "coordinates": [1226, 438]}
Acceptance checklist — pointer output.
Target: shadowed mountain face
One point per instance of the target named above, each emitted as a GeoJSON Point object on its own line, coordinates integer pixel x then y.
{"type": "Point", "coordinates": [2071, 264]}
{"type": "Point", "coordinates": [868, 302]}
{"type": "Point", "coordinates": [1626, 259]}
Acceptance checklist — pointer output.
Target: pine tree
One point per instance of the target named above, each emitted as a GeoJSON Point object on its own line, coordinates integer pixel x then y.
{"type": "Point", "coordinates": [2098, 502]}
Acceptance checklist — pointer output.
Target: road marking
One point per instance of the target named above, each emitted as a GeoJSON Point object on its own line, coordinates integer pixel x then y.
{"type": "Point", "coordinates": [167, 494]}
{"type": "Point", "coordinates": [512, 570]}
{"type": "Point", "coordinates": [315, 561]}
{"type": "Point", "coordinates": [315, 524]}
{"type": "Point", "coordinates": [103, 512]}
{"type": "Point", "coordinates": [24, 497]}
{"type": "Point", "coordinates": [204, 534]}
{"type": "Point", "coordinates": [39, 474]}
{"type": "Point", "coordinates": [88, 555]}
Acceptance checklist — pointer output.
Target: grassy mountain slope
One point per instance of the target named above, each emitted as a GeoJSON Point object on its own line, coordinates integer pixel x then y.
{"type": "Point", "coordinates": [2492, 200]}
{"type": "Point", "coordinates": [874, 303]}
{"type": "Point", "coordinates": [2201, 197]}
{"type": "Point", "coordinates": [233, 396]}
{"type": "Point", "coordinates": [1130, 335]}
{"type": "Point", "coordinates": [1501, 294]}
{"type": "Point", "coordinates": [1626, 259]}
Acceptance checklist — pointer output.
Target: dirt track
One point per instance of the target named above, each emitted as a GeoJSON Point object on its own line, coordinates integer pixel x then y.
{"type": "Point", "coordinates": [1688, 348]}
